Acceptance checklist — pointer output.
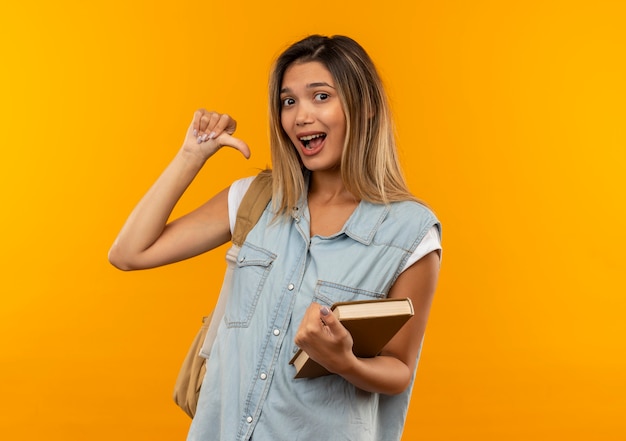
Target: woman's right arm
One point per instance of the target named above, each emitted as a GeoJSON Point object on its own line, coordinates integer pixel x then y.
{"type": "Point", "coordinates": [147, 240]}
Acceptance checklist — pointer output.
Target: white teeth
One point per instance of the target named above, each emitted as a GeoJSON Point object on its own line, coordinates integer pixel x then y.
{"type": "Point", "coordinates": [310, 137]}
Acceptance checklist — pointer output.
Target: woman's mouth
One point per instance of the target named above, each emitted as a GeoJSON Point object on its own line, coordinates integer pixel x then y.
{"type": "Point", "coordinates": [311, 142]}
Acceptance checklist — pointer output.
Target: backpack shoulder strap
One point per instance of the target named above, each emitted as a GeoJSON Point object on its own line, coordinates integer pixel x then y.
{"type": "Point", "coordinates": [252, 206]}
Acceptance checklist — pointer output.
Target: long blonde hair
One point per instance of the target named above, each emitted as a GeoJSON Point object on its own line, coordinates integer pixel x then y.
{"type": "Point", "coordinates": [370, 167]}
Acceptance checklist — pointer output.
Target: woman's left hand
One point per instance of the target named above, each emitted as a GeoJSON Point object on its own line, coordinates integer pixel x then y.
{"type": "Point", "coordinates": [324, 338]}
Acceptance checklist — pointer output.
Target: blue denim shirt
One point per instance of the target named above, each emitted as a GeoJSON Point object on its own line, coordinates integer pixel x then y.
{"type": "Point", "coordinates": [249, 392]}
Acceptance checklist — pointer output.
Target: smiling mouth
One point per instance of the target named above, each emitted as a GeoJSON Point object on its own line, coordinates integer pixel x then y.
{"type": "Point", "coordinates": [312, 141]}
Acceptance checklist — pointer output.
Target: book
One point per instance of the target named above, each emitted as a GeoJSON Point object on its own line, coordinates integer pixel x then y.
{"type": "Point", "coordinates": [372, 323]}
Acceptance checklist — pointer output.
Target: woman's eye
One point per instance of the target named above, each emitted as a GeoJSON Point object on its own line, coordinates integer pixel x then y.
{"type": "Point", "coordinates": [321, 96]}
{"type": "Point", "coordinates": [288, 101]}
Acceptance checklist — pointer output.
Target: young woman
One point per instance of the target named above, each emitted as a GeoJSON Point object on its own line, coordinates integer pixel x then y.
{"type": "Point", "coordinates": [341, 226]}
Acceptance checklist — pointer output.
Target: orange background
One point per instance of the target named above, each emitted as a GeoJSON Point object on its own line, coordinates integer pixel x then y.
{"type": "Point", "coordinates": [512, 125]}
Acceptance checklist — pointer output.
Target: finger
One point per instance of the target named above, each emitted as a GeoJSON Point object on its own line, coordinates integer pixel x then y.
{"type": "Point", "coordinates": [309, 326]}
{"type": "Point", "coordinates": [332, 325]}
{"type": "Point", "coordinates": [316, 320]}
{"type": "Point", "coordinates": [224, 124]}
{"type": "Point", "coordinates": [324, 312]}
{"type": "Point", "coordinates": [230, 141]}
{"type": "Point", "coordinates": [207, 122]}
{"type": "Point", "coordinates": [195, 123]}
{"type": "Point", "coordinates": [326, 316]}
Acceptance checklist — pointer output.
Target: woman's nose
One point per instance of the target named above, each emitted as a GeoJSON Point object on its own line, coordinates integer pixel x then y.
{"type": "Point", "coordinates": [303, 116]}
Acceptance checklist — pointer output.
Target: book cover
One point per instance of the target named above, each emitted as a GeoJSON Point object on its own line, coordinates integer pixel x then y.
{"type": "Point", "coordinates": [372, 323]}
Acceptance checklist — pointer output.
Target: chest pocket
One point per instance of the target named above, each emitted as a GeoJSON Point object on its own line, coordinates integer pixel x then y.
{"type": "Point", "coordinates": [327, 293]}
{"type": "Point", "coordinates": [252, 267]}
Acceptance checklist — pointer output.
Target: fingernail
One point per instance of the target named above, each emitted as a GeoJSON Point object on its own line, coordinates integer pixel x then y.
{"type": "Point", "coordinates": [324, 310]}
{"type": "Point", "coordinates": [211, 135]}
{"type": "Point", "coordinates": [195, 132]}
{"type": "Point", "coordinates": [205, 137]}
{"type": "Point", "coordinates": [199, 139]}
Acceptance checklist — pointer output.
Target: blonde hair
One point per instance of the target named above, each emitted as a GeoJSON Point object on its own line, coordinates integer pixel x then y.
{"type": "Point", "coordinates": [370, 167]}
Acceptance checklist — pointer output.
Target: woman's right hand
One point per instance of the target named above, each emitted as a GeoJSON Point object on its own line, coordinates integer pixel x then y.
{"type": "Point", "coordinates": [210, 131]}
{"type": "Point", "coordinates": [147, 239]}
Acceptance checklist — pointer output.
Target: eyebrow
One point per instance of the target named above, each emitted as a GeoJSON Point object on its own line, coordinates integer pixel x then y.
{"type": "Point", "coordinates": [308, 86]}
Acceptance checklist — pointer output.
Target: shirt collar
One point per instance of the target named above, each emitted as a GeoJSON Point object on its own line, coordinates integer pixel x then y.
{"type": "Point", "coordinates": [365, 221]}
{"type": "Point", "coordinates": [362, 224]}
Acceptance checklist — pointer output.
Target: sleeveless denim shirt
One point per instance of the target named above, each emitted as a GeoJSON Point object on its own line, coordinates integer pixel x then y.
{"type": "Point", "coordinates": [249, 392]}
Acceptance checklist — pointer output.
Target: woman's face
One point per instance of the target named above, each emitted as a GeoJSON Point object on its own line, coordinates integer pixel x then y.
{"type": "Point", "coordinates": [312, 115]}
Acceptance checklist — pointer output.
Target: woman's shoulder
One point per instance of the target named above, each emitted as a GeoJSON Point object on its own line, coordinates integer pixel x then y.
{"type": "Point", "coordinates": [236, 192]}
{"type": "Point", "coordinates": [398, 224]}
{"type": "Point", "coordinates": [409, 210]}
{"type": "Point", "coordinates": [239, 187]}
{"type": "Point", "coordinates": [411, 217]}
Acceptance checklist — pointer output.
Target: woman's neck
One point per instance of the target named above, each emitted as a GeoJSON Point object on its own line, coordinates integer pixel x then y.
{"type": "Point", "coordinates": [330, 203]}
{"type": "Point", "coordinates": [328, 187]}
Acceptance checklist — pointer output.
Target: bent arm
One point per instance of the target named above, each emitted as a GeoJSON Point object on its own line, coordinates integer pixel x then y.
{"type": "Point", "coordinates": [147, 239]}
{"type": "Point", "coordinates": [391, 371]}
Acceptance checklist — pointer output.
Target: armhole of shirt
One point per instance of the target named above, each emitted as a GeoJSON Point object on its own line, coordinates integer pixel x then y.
{"type": "Point", "coordinates": [430, 242]}
{"type": "Point", "coordinates": [236, 193]}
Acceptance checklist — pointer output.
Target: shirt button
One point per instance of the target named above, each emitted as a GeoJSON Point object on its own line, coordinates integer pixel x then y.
{"type": "Point", "coordinates": [290, 287]}
{"type": "Point", "coordinates": [276, 332]}
{"type": "Point", "coordinates": [249, 419]}
{"type": "Point", "coordinates": [242, 258]}
{"type": "Point", "coordinates": [263, 376]}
